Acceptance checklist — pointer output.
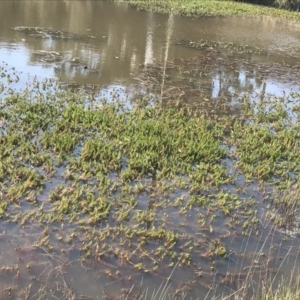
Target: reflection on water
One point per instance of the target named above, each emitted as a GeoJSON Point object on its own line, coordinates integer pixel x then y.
{"type": "Point", "coordinates": [112, 48]}
{"type": "Point", "coordinates": [169, 31]}
{"type": "Point", "coordinates": [112, 41]}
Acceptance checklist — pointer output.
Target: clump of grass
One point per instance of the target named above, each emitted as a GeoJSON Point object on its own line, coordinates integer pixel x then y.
{"type": "Point", "coordinates": [285, 291]}
{"type": "Point", "coordinates": [288, 203]}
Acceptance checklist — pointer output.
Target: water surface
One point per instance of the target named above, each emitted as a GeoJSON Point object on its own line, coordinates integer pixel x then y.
{"type": "Point", "coordinates": [105, 47]}
{"type": "Point", "coordinates": [113, 41]}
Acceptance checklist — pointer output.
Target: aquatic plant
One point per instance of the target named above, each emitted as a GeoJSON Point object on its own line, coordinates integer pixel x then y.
{"type": "Point", "coordinates": [218, 8]}
{"type": "Point", "coordinates": [148, 186]}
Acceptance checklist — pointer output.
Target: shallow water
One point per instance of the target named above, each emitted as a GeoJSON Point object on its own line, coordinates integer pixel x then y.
{"type": "Point", "coordinates": [111, 41]}
{"type": "Point", "coordinates": [111, 46]}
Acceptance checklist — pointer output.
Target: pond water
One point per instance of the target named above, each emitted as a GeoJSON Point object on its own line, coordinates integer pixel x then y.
{"type": "Point", "coordinates": [102, 47]}
{"type": "Point", "coordinates": [110, 44]}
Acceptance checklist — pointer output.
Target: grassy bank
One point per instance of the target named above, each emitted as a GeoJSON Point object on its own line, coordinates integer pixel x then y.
{"type": "Point", "coordinates": [211, 8]}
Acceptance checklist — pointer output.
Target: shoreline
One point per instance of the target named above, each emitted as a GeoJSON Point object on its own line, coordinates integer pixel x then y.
{"type": "Point", "coordinates": [208, 8]}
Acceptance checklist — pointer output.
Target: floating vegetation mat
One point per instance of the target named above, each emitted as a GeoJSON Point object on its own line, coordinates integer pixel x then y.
{"type": "Point", "coordinates": [220, 71]}
{"type": "Point", "coordinates": [128, 192]}
{"type": "Point", "coordinates": [229, 48]}
{"type": "Point", "coordinates": [59, 61]}
{"type": "Point", "coordinates": [50, 33]}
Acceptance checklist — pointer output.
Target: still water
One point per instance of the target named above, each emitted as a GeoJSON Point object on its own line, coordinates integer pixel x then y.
{"type": "Point", "coordinates": [102, 46]}
{"type": "Point", "coordinates": [109, 45]}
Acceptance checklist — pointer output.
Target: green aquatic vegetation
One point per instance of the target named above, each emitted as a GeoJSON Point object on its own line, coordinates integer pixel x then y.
{"type": "Point", "coordinates": [97, 150]}
{"type": "Point", "coordinates": [3, 207]}
{"type": "Point", "coordinates": [263, 152]}
{"type": "Point", "coordinates": [76, 200]}
{"type": "Point", "coordinates": [218, 45]}
{"type": "Point", "coordinates": [60, 143]}
{"type": "Point", "coordinates": [135, 182]}
{"type": "Point", "coordinates": [217, 249]}
{"type": "Point", "coordinates": [211, 8]}
{"type": "Point", "coordinates": [144, 216]}
{"type": "Point", "coordinates": [196, 200]}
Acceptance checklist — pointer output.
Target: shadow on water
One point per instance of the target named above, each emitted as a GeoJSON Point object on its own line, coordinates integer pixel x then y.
{"type": "Point", "coordinates": [113, 51]}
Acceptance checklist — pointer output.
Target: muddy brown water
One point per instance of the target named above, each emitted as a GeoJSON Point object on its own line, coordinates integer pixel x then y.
{"type": "Point", "coordinates": [106, 46]}
{"type": "Point", "coordinates": [110, 43]}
